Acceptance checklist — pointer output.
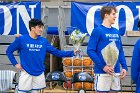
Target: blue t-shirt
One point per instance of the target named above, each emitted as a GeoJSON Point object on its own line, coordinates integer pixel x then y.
{"type": "Point", "coordinates": [32, 53]}
{"type": "Point", "coordinates": [99, 39]}
{"type": "Point", "coordinates": [135, 64]}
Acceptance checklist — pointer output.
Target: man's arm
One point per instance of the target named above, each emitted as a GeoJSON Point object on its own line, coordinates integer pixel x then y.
{"type": "Point", "coordinates": [59, 53]}
{"type": "Point", "coordinates": [122, 61]}
{"type": "Point", "coordinates": [135, 64]}
{"type": "Point", "coordinates": [122, 57]}
{"type": "Point", "coordinates": [13, 47]}
{"type": "Point", "coordinates": [92, 47]}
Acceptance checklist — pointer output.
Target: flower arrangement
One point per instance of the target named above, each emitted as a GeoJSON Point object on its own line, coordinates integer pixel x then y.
{"type": "Point", "coordinates": [110, 54]}
{"type": "Point", "coordinates": [77, 38]}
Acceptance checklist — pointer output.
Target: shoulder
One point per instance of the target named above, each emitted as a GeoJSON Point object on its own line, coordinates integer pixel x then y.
{"type": "Point", "coordinates": [20, 37]}
{"type": "Point", "coordinates": [115, 29]}
{"type": "Point", "coordinates": [23, 36]}
{"type": "Point", "coordinates": [97, 30]}
{"type": "Point", "coordinates": [137, 45]}
{"type": "Point", "coordinates": [43, 39]}
{"type": "Point", "coordinates": [138, 42]}
{"type": "Point", "coordinates": [100, 27]}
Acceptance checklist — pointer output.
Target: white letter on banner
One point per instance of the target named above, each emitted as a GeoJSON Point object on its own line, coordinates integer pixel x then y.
{"type": "Point", "coordinates": [8, 20]}
{"type": "Point", "coordinates": [90, 18]}
{"type": "Point", "coordinates": [32, 10]}
{"type": "Point", "coordinates": [21, 10]}
{"type": "Point", "coordinates": [129, 17]}
{"type": "Point", "coordinates": [138, 11]}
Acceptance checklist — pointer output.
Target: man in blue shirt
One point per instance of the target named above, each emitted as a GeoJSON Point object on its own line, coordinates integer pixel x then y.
{"type": "Point", "coordinates": [32, 50]}
{"type": "Point", "coordinates": [135, 64]}
{"type": "Point", "coordinates": [107, 38]}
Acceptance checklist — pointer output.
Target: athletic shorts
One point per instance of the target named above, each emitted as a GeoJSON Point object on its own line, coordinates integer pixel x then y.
{"type": "Point", "coordinates": [28, 82]}
{"type": "Point", "coordinates": [106, 82]}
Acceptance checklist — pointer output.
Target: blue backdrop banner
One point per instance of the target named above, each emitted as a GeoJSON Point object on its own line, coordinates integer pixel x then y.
{"type": "Point", "coordinates": [14, 16]}
{"type": "Point", "coordinates": [86, 16]}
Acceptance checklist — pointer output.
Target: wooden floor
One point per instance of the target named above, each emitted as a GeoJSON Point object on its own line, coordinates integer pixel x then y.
{"type": "Point", "coordinates": [64, 91]}
{"type": "Point", "coordinates": [59, 89]}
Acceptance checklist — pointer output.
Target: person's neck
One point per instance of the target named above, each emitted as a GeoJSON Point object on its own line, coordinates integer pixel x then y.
{"type": "Point", "coordinates": [33, 35]}
{"type": "Point", "coordinates": [106, 24]}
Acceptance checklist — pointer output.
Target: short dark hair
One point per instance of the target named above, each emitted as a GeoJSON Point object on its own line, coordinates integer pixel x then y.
{"type": "Point", "coordinates": [35, 22]}
{"type": "Point", "coordinates": [107, 10]}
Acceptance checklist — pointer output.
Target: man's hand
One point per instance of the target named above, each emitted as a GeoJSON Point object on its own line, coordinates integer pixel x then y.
{"type": "Point", "coordinates": [18, 66]}
{"type": "Point", "coordinates": [108, 69]}
{"type": "Point", "coordinates": [76, 52]}
{"type": "Point", "coordinates": [17, 35]}
{"type": "Point", "coordinates": [123, 73]}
